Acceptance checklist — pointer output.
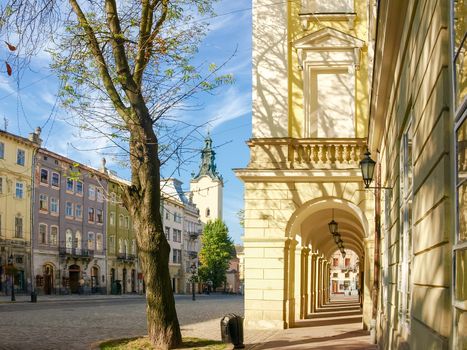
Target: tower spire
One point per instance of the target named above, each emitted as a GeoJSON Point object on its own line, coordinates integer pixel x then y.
{"type": "Point", "coordinates": [208, 164]}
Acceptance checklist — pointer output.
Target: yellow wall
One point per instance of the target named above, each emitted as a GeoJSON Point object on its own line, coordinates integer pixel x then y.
{"type": "Point", "coordinates": [10, 206]}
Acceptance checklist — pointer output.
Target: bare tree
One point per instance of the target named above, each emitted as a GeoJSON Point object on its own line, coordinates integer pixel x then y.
{"type": "Point", "coordinates": [126, 75]}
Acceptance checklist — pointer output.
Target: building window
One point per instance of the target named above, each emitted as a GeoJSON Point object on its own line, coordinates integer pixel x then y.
{"type": "Point", "coordinates": [53, 235]}
{"type": "Point", "coordinates": [19, 190]}
{"type": "Point", "coordinates": [92, 192]}
{"type": "Point", "coordinates": [167, 233]}
{"type": "Point", "coordinates": [68, 239]}
{"type": "Point", "coordinates": [44, 176]}
{"type": "Point", "coordinates": [112, 244]}
{"type": "Point", "coordinates": [99, 216]}
{"type": "Point", "coordinates": [460, 46]}
{"type": "Point", "coordinates": [78, 211]}
{"type": "Point", "coordinates": [69, 209]}
{"type": "Point", "coordinates": [127, 222]}
{"type": "Point", "coordinates": [335, 262]}
{"type": "Point", "coordinates": [42, 234]}
{"type": "Point", "coordinates": [177, 256]}
{"type": "Point", "coordinates": [167, 215]}
{"type": "Point", "coordinates": [112, 218]}
{"type": "Point", "coordinates": [120, 246]}
{"type": "Point", "coordinates": [177, 235]}
{"type": "Point", "coordinates": [120, 221]}
{"type": "Point", "coordinates": [43, 202]}
{"type": "Point", "coordinates": [133, 246]}
{"type": "Point", "coordinates": [1, 184]}
{"type": "Point", "coordinates": [460, 243]}
{"type": "Point", "coordinates": [99, 242]}
{"type": "Point", "coordinates": [208, 212]}
{"type": "Point", "coordinates": [69, 185]}
{"type": "Point", "coordinates": [347, 262]}
{"type": "Point", "coordinates": [55, 179]}
{"type": "Point", "coordinates": [2, 150]}
{"type": "Point", "coordinates": [78, 239]}
{"type": "Point", "coordinates": [100, 197]}
{"type": "Point", "coordinates": [91, 214]}
{"type": "Point", "coordinates": [79, 187]}
{"type": "Point", "coordinates": [335, 275]}
{"type": "Point", "coordinates": [405, 237]}
{"type": "Point", "coordinates": [91, 241]}
{"type": "Point", "coordinates": [177, 217]}
{"type": "Point", "coordinates": [113, 197]}
{"type": "Point", "coordinates": [18, 227]}
{"type": "Point", "coordinates": [20, 157]}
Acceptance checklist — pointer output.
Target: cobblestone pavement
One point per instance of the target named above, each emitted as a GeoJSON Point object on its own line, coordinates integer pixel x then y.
{"type": "Point", "coordinates": [76, 322]}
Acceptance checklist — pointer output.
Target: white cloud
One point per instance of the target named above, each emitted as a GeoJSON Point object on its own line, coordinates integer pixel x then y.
{"type": "Point", "coordinates": [231, 105]}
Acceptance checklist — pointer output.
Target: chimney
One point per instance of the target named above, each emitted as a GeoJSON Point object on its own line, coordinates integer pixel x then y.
{"type": "Point", "coordinates": [36, 136]}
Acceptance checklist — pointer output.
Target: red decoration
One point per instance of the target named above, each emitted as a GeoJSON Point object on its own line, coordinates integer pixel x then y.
{"type": "Point", "coordinates": [11, 47]}
{"type": "Point", "coordinates": [8, 68]}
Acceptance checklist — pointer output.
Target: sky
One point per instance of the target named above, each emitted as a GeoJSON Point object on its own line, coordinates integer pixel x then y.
{"type": "Point", "coordinates": [30, 101]}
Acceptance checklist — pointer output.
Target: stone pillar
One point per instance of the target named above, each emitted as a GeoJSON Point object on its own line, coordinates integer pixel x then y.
{"type": "Point", "coordinates": [368, 283]}
{"type": "Point", "coordinates": [305, 282]}
{"type": "Point", "coordinates": [313, 285]}
{"type": "Point", "coordinates": [266, 293]}
{"type": "Point", "coordinates": [320, 282]}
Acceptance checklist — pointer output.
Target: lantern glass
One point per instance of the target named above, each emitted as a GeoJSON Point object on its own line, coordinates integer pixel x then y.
{"type": "Point", "coordinates": [367, 166]}
{"type": "Point", "coordinates": [333, 227]}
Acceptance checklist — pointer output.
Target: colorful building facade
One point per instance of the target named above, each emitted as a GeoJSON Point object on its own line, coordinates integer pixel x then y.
{"type": "Point", "coordinates": [16, 183]}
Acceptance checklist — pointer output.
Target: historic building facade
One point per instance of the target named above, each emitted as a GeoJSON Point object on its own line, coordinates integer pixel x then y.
{"type": "Point", "coordinates": [123, 272]}
{"type": "Point", "coordinates": [182, 228]}
{"type": "Point", "coordinates": [16, 183]}
{"type": "Point", "coordinates": [331, 80]}
{"type": "Point", "coordinates": [69, 227]}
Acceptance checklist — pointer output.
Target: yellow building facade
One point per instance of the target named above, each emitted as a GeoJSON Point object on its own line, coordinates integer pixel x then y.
{"type": "Point", "coordinates": [16, 183]}
{"type": "Point", "coordinates": [331, 80]}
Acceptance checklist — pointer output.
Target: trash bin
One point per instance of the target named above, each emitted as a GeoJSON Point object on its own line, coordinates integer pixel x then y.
{"type": "Point", "coordinates": [232, 330]}
{"type": "Point", "coordinates": [33, 297]}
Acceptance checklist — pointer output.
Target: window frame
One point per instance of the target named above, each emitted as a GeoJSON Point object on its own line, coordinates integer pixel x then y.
{"type": "Point", "coordinates": [68, 205]}
{"type": "Point", "coordinates": [44, 236]}
{"type": "Point", "coordinates": [43, 202]}
{"type": "Point", "coordinates": [57, 185]}
{"type": "Point", "coordinates": [20, 160]}
{"type": "Point", "coordinates": [2, 150]}
{"type": "Point", "coordinates": [21, 189]}
{"type": "Point", "coordinates": [47, 172]}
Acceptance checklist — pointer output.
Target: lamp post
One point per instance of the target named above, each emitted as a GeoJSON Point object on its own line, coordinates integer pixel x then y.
{"type": "Point", "coordinates": [193, 277]}
{"type": "Point", "coordinates": [367, 165]}
{"type": "Point", "coordinates": [12, 277]}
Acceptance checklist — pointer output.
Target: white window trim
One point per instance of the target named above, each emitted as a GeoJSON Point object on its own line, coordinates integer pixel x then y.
{"type": "Point", "coordinates": [50, 235]}
{"type": "Point", "coordinates": [45, 234]}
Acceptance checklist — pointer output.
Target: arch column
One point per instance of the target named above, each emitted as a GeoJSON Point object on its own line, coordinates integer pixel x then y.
{"type": "Point", "coordinates": [304, 282]}
{"type": "Point", "coordinates": [313, 284]}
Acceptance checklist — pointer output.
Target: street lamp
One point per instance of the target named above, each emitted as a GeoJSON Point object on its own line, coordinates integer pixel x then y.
{"type": "Point", "coordinates": [367, 166]}
{"type": "Point", "coordinates": [333, 226]}
{"type": "Point", "coordinates": [12, 276]}
{"type": "Point", "coordinates": [193, 277]}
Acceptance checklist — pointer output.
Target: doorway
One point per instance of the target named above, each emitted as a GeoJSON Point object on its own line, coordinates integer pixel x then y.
{"type": "Point", "coordinates": [48, 279]}
{"type": "Point", "coordinates": [74, 274]}
{"type": "Point", "coordinates": [124, 281]}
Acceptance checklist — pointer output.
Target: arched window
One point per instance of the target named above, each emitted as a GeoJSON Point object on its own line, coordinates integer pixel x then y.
{"type": "Point", "coordinates": [133, 247]}
{"type": "Point", "coordinates": [120, 246]}
{"type": "Point", "coordinates": [126, 247]}
{"type": "Point", "coordinates": [91, 241]}
{"type": "Point", "coordinates": [99, 242]}
{"type": "Point", "coordinates": [120, 221]}
{"type": "Point", "coordinates": [208, 212]}
{"type": "Point", "coordinates": [68, 239]}
{"type": "Point", "coordinates": [78, 239]}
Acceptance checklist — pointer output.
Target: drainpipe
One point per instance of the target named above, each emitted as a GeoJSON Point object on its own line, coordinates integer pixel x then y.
{"type": "Point", "coordinates": [31, 228]}
{"type": "Point", "coordinates": [376, 272]}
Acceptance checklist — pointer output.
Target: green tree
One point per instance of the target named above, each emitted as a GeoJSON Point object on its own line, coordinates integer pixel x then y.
{"type": "Point", "coordinates": [216, 252]}
{"type": "Point", "coordinates": [124, 65]}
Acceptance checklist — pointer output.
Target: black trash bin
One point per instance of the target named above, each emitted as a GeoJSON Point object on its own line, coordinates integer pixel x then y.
{"type": "Point", "coordinates": [232, 330]}
{"type": "Point", "coordinates": [33, 297]}
{"type": "Point", "coordinates": [119, 287]}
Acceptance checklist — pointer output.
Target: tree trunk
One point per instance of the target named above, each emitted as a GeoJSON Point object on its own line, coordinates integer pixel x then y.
{"type": "Point", "coordinates": [153, 248]}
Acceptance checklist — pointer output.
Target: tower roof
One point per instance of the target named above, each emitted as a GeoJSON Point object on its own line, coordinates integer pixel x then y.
{"type": "Point", "coordinates": [208, 164]}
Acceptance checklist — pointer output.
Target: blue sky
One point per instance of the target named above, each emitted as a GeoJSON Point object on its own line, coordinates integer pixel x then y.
{"type": "Point", "coordinates": [30, 101]}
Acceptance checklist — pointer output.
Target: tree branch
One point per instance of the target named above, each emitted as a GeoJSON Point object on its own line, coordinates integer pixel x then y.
{"type": "Point", "coordinates": [99, 57]}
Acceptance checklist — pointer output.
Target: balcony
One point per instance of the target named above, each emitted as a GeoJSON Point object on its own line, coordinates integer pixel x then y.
{"type": "Point", "coordinates": [76, 252]}
{"type": "Point", "coordinates": [193, 234]}
{"type": "Point", "coordinates": [126, 257]}
{"type": "Point", "coordinates": [319, 154]}
{"type": "Point", "coordinates": [193, 254]}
